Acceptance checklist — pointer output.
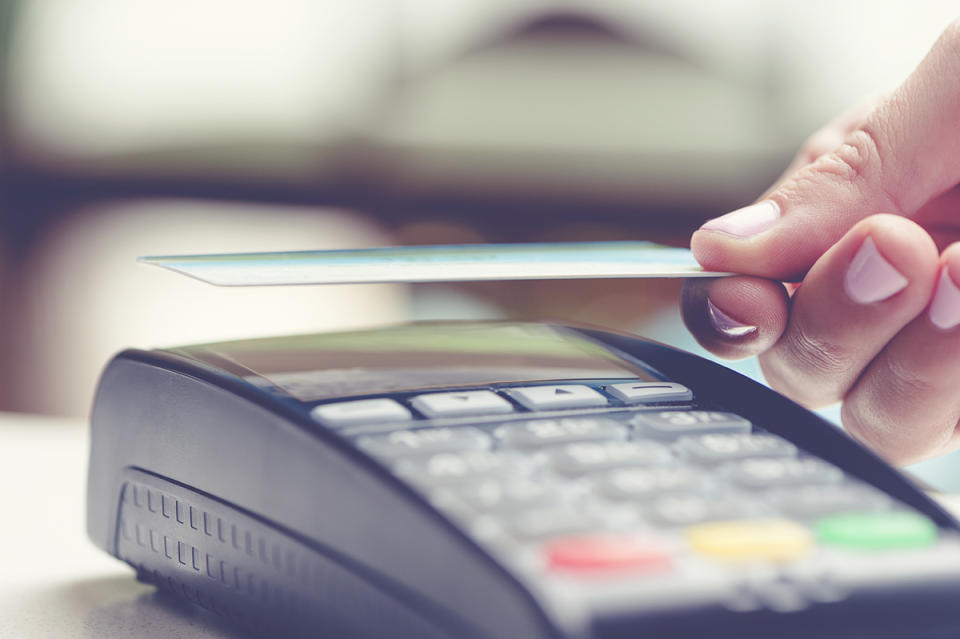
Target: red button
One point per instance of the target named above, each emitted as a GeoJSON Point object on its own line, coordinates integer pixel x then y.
{"type": "Point", "coordinates": [607, 553]}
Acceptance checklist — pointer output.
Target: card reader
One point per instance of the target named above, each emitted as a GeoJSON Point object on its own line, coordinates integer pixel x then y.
{"type": "Point", "coordinates": [504, 480]}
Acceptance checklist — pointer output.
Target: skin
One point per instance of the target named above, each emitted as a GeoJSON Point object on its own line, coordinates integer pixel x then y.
{"type": "Point", "coordinates": [887, 170]}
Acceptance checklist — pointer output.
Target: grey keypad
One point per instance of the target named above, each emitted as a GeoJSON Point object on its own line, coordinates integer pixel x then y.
{"type": "Point", "coordinates": [591, 457]}
{"type": "Point", "coordinates": [521, 481]}
{"type": "Point", "coordinates": [424, 442]}
{"type": "Point", "coordinates": [550, 432]}
{"type": "Point", "coordinates": [672, 424]}
{"type": "Point", "coordinates": [766, 473]}
{"type": "Point", "coordinates": [719, 448]}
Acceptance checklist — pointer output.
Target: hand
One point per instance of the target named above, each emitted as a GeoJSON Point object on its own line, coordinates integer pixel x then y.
{"type": "Point", "coordinates": [867, 219]}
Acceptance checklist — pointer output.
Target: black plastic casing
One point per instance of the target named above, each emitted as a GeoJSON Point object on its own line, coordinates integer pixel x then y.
{"type": "Point", "coordinates": [236, 500]}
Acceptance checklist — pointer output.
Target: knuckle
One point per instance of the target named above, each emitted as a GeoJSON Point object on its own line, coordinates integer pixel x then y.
{"type": "Point", "coordinates": [811, 371]}
{"type": "Point", "coordinates": [857, 159]}
{"type": "Point", "coordinates": [860, 160]}
{"type": "Point", "coordinates": [815, 355]}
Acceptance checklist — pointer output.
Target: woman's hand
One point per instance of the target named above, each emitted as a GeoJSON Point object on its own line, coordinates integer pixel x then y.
{"type": "Point", "coordinates": [867, 219]}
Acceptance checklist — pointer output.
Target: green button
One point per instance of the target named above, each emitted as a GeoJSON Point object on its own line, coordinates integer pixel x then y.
{"type": "Point", "coordinates": [877, 531]}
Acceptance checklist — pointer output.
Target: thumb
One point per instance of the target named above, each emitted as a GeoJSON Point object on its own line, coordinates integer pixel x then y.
{"type": "Point", "coordinates": [906, 152]}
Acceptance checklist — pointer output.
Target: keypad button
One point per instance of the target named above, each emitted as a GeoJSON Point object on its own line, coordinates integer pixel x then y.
{"type": "Point", "coordinates": [806, 502]}
{"type": "Point", "coordinates": [461, 404]}
{"type": "Point", "coordinates": [589, 457]}
{"type": "Point", "coordinates": [649, 393]}
{"type": "Point", "coordinates": [607, 553]}
{"type": "Point", "coordinates": [762, 473]}
{"type": "Point", "coordinates": [643, 484]}
{"type": "Point", "coordinates": [759, 539]}
{"type": "Point", "coordinates": [684, 510]}
{"type": "Point", "coordinates": [553, 522]}
{"type": "Point", "coordinates": [554, 397]}
{"type": "Point", "coordinates": [547, 432]}
{"type": "Point", "coordinates": [877, 531]}
{"type": "Point", "coordinates": [508, 495]}
{"type": "Point", "coordinates": [361, 411]}
{"type": "Point", "coordinates": [424, 442]}
{"type": "Point", "coordinates": [445, 468]}
{"type": "Point", "coordinates": [670, 424]}
{"type": "Point", "coordinates": [718, 448]}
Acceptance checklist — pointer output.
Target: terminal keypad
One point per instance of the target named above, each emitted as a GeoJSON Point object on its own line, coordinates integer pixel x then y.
{"type": "Point", "coordinates": [613, 483]}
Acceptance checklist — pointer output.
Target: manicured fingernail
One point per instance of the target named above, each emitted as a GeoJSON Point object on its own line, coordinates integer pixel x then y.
{"type": "Point", "coordinates": [945, 308]}
{"type": "Point", "coordinates": [747, 221]}
{"type": "Point", "coordinates": [726, 325]}
{"type": "Point", "coordinates": [870, 278]}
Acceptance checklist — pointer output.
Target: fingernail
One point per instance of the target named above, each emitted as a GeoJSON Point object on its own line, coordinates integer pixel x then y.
{"type": "Point", "coordinates": [870, 278]}
{"type": "Point", "coordinates": [747, 221]}
{"type": "Point", "coordinates": [945, 308]}
{"type": "Point", "coordinates": [726, 325]}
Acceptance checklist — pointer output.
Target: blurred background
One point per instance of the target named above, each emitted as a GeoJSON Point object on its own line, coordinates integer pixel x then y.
{"type": "Point", "coordinates": [131, 127]}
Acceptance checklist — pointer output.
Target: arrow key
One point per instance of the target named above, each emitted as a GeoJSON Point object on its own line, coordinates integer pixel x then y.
{"type": "Point", "coordinates": [553, 397]}
{"type": "Point", "coordinates": [461, 404]}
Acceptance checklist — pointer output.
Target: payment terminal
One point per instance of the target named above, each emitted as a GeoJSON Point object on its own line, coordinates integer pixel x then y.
{"type": "Point", "coordinates": [504, 480]}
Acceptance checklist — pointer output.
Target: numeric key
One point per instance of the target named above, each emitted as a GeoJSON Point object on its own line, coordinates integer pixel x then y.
{"type": "Point", "coordinates": [808, 502]}
{"type": "Point", "coordinates": [589, 457]}
{"type": "Point", "coordinates": [403, 443]}
{"type": "Point", "coordinates": [717, 448]}
{"type": "Point", "coordinates": [671, 424]}
{"type": "Point", "coordinates": [506, 496]}
{"type": "Point", "coordinates": [684, 510]}
{"type": "Point", "coordinates": [640, 484]}
{"type": "Point", "coordinates": [549, 432]}
{"type": "Point", "coordinates": [448, 468]}
{"type": "Point", "coordinates": [763, 473]}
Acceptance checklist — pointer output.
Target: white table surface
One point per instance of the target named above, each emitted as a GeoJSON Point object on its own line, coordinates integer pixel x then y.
{"type": "Point", "coordinates": [53, 581]}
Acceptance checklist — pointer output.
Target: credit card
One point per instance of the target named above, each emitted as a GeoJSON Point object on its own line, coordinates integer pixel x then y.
{"type": "Point", "coordinates": [440, 263]}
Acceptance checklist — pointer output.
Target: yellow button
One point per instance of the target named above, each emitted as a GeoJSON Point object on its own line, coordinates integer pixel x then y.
{"type": "Point", "coordinates": [758, 539]}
